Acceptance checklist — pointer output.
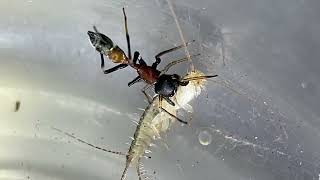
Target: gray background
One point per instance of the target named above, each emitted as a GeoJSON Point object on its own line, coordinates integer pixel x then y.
{"type": "Point", "coordinates": [264, 125]}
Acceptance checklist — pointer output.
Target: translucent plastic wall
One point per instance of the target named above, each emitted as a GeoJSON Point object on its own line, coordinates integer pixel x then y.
{"type": "Point", "coordinates": [259, 120]}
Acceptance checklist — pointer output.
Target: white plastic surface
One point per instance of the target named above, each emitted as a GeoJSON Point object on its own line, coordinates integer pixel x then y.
{"type": "Point", "coordinates": [271, 54]}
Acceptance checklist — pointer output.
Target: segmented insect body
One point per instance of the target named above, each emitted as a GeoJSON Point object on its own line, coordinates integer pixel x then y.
{"type": "Point", "coordinates": [145, 133]}
{"type": "Point", "coordinates": [153, 123]}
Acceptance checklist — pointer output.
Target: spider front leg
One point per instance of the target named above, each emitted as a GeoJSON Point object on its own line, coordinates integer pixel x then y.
{"type": "Point", "coordinates": [158, 59]}
{"type": "Point", "coordinates": [169, 65]}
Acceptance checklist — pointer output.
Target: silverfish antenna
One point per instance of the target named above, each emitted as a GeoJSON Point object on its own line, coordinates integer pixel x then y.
{"type": "Point", "coordinates": [87, 143]}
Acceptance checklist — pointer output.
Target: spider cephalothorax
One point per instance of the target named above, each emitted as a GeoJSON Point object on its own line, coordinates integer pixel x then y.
{"type": "Point", "coordinates": [167, 86]}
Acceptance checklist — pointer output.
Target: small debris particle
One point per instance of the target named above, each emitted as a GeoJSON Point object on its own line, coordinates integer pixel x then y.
{"type": "Point", "coordinates": [17, 106]}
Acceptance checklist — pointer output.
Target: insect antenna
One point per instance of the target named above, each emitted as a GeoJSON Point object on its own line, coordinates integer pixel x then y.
{"type": "Point", "coordinates": [87, 143]}
{"type": "Point", "coordinates": [224, 83]}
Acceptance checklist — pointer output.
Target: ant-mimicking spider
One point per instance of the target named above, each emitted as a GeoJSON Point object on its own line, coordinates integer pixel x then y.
{"type": "Point", "coordinates": [165, 85]}
{"type": "Point", "coordinates": [105, 46]}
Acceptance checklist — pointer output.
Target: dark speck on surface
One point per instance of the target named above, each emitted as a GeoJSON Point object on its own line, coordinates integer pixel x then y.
{"type": "Point", "coordinates": [17, 106]}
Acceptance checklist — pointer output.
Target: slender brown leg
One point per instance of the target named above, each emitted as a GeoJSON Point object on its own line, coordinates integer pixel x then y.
{"type": "Point", "coordinates": [169, 65]}
{"type": "Point", "coordinates": [158, 60]}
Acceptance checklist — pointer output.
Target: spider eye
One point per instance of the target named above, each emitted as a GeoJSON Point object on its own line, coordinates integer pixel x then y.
{"type": "Point", "coordinates": [175, 77]}
{"type": "Point", "coordinates": [183, 83]}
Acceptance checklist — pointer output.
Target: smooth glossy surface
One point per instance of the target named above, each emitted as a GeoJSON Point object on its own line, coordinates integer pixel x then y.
{"type": "Point", "coordinates": [271, 55]}
{"type": "Point", "coordinates": [205, 137]}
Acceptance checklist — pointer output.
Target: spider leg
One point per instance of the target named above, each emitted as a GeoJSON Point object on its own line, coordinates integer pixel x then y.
{"type": "Point", "coordinates": [169, 65]}
{"type": "Point", "coordinates": [102, 60]}
{"type": "Point", "coordinates": [180, 120]}
{"type": "Point", "coordinates": [160, 107]}
{"type": "Point", "coordinates": [158, 59]}
{"type": "Point", "coordinates": [127, 34]}
{"type": "Point", "coordinates": [135, 57]}
{"type": "Point", "coordinates": [142, 62]}
{"type": "Point", "coordinates": [135, 80]}
{"type": "Point", "coordinates": [169, 100]}
{"type": "Point", "coordinates": [120, 66]}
